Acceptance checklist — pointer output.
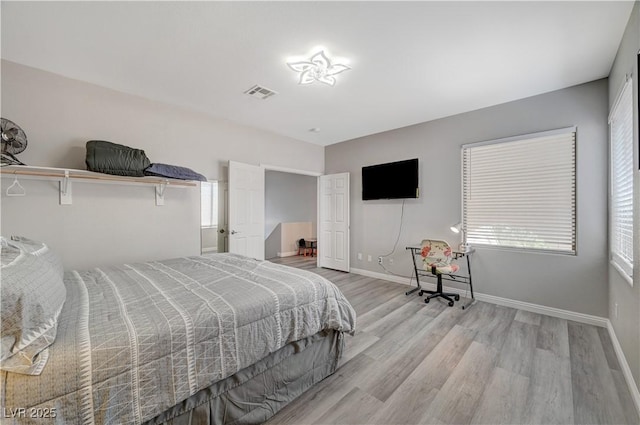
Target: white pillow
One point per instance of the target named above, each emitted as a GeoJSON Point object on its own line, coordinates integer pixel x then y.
{"type": "Point", "coordinates": [32, 294]}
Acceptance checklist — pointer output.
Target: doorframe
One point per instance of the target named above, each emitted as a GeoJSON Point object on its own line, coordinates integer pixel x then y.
{"type": "Point", "coordinates": [316, 174]}
{"type": "Point", "coordinates": [290, 170]}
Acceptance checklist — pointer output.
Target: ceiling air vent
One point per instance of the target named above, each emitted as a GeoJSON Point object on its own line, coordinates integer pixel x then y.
{"type": "Point", "coordinates": [260, 92]}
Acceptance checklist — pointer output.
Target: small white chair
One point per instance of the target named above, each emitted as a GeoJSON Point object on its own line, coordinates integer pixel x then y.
{"type": "Point", "coordinates": [436, 258]}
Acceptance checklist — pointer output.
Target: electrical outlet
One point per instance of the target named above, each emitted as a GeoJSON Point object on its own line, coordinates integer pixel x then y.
{"type": "Point", "coordinates": [390, 260]}
{"type": "Point", "coordinates": [379, 260]}
{"type": "Point", "coordinates": [359, 256]}
{"type": "Point", "coordinates": [368, 258]}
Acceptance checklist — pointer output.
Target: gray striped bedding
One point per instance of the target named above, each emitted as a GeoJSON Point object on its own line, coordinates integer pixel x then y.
{"type": "Point", "coordinates": [136, 339]}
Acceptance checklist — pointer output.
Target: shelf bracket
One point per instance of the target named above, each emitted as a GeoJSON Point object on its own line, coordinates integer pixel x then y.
{"type": "Point", "coordinates": [65, 189]}
{"type": "Point", "coordinates": [160, 193]}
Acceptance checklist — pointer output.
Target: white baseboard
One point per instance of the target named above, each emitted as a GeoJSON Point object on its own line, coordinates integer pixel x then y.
{"type": "Point", "coordinates": [535, 308]}
{"type": "Point", "coordinates": [383, 276]}
{"type": "Point", "coordinates": [626, 370]}
{"type": "Point", "coordinates": [287, 254]}
{"type": "Point", "coordinates": [549, 311]}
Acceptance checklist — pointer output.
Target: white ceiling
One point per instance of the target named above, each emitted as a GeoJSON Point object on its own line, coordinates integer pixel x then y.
{"type": "Point", "coordinates": [411, 61]}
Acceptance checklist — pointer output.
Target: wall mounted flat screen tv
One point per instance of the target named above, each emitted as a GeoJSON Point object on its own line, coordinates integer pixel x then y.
{"type": "Point", "coordinates": [393, 180]}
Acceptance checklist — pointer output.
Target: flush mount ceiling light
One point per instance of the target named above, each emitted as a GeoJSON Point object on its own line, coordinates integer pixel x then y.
{"type": "Point", "coordinates": [318, 68]}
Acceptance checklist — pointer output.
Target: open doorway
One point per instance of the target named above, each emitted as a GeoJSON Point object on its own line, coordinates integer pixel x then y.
{"type": "Point", "coordinates": [247, 215]}
{"type": "Point", "coordinates": [291, 213]}
{"type": "Point", "coordinates": [213, 216]}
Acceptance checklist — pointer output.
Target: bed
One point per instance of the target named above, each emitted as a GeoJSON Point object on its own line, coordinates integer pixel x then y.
{"type": "Point", "coordinates": [217, 339]}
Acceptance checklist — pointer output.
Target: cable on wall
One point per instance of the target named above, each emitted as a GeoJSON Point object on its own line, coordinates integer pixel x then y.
{"type": "Point", "coordinates": [397, 274]}
{"type": "Point", "coordinates": [395, 246]}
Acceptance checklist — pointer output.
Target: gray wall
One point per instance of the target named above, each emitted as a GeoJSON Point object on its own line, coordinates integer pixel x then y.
{"type": "Point", "coordinates": [106, 224]}
{"type": "Point", "coordinates": [115, 223]}
{"type": "Point", "coordinates": [288, 198]}
{"type": "Point", "coordinates": [575, 283]}
{"type": "Point", "coordinates": [627, 324]}
{"type": "Point", "coordinates": [60, 114]}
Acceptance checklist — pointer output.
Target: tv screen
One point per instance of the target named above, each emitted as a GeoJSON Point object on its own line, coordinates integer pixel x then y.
{"type": "Point", "coordinates": [393, 180]}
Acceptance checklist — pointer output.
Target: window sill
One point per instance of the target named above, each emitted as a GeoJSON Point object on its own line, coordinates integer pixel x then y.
{"type": "Point", "coordinates": [624, 274]}
{"type": "Point", "coordinates": [524, 250]}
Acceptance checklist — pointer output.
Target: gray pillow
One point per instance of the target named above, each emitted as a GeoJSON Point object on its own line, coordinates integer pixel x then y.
{"type": "Point", "coordinates": [32, 294]}
{"type": "Point", "coordinates": [173, 172]}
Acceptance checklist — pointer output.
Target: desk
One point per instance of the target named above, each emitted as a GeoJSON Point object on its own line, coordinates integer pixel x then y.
{"type": "Point", "coordinates": [415, 252]}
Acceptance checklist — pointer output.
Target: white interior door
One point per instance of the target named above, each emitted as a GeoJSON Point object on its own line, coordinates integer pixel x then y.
{"type": "Point", "coordinates": [333, 222]}
{"type": "Point", "coordinates": [246, 210]}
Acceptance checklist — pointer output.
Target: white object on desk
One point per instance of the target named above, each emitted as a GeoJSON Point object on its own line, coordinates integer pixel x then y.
{"type": "Point", "coordinates": [464, 248]}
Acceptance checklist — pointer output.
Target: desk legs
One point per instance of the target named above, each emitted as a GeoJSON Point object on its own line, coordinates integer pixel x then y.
{"type": "Point", "coordinates": [473, 299]}
{"type": "Point", "coordinates": [415, 271]}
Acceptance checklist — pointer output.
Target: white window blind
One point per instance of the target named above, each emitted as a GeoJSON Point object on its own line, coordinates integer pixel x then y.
{"type": "Point", "coordinates": [208, 209]}
{"type": "Point", "coordinates": [521, 192]}
{"type": "Point", "coordinates": [621, 203]}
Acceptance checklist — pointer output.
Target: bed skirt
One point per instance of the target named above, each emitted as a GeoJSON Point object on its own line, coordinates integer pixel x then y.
{"type": "Point", "coordinates": [257, 392]}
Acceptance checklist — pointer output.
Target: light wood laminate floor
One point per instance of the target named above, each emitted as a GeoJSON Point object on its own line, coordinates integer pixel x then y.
{"type": "Point", "coordinates": [417, 363]}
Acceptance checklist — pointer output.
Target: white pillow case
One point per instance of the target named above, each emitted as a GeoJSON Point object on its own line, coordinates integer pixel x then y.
{"type": "Point", "coordinates": [32, 294]}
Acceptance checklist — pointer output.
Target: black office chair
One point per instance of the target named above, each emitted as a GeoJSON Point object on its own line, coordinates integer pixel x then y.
{"type": "Point", "coordinates": [302, 246]}
{"type": "Point", "coordinates": [436, 257]}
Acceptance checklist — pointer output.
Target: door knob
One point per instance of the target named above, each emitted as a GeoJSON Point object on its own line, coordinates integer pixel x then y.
{"type": "Point", "coordinates": [233, 232]}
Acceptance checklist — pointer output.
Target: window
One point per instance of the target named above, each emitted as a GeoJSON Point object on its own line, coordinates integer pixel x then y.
{"type": "Point", "coordinates": [208, 204]}
{"type": "Point", "coordinates": [520, 192]}
{"type": "Point", "coordinates": [621, 196]}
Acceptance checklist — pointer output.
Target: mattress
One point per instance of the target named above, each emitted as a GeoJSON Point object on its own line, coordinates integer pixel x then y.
{"type": "Point", "coordinates": [137, 339]}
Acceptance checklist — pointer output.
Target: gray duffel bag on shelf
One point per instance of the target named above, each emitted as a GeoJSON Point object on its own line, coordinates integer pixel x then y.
{"type": "Point", "coordinates": [112, 158]}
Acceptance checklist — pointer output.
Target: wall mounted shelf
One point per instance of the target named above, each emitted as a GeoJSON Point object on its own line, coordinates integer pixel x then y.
{"type": "Point", "coordinates": [66, 176]}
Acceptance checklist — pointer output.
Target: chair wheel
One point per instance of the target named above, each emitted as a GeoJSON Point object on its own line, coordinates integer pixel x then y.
{"type": "Point", "coordinates": [457, 297]}
{"type": "Point", "coordinates": [450, 303]}
{"type": "Point", "coordinates": [421, 293]}
{"type": "Point", "coordinates": [426, 300]}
